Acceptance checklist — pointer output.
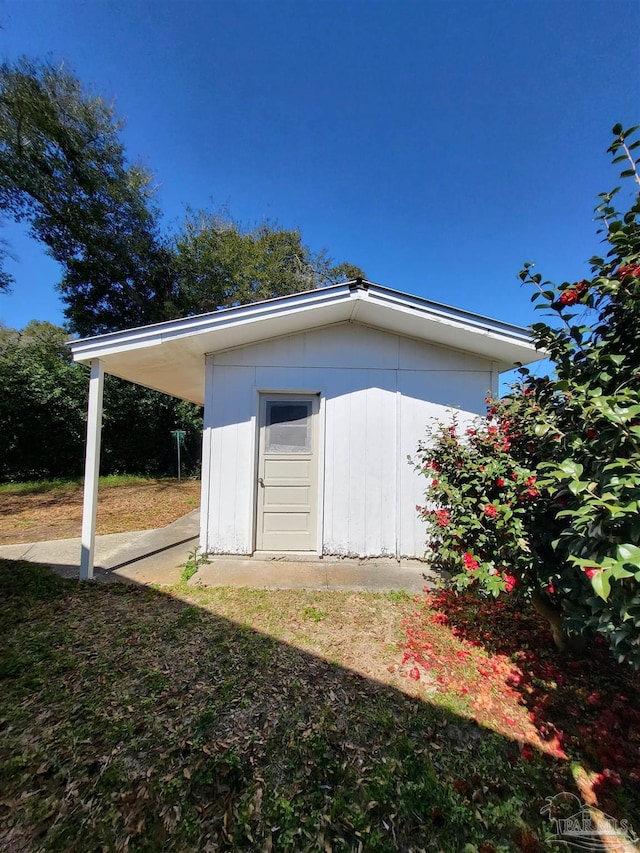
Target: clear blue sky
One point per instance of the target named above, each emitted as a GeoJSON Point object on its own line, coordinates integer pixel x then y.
{"type": "Point", "coordinates": [436, 144]}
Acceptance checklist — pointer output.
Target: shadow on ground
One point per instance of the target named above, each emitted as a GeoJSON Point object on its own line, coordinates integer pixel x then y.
{"type": "Point", "coordinates": [131, 720]}
{"type": "Point", "coordinates": [586, 707]}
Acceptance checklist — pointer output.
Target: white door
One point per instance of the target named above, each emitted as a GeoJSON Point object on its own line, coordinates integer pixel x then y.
{"type": "Point", "coordinates": [287, 473]}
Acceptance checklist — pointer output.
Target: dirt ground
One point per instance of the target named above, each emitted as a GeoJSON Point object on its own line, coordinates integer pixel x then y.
{"type": "Point", "coordinates": [57, 514]}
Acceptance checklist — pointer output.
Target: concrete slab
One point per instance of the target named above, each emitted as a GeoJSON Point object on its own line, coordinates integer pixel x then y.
{"type": "Point", "coordinates": [157, 556]}
{"type": "Point", "coordinates": [357, 575]}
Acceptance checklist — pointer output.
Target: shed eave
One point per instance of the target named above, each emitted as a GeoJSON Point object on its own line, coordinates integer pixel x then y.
{"type": "Point", "coordinates": [169, 356]}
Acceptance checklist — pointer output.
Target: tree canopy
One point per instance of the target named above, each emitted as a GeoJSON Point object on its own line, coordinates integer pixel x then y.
{"type": "Point", "coordinates": [43, 399]}
{"type": "Point", "coordinates": [220, 264]}
{"type": "Point", "coordinates": [64, 171]}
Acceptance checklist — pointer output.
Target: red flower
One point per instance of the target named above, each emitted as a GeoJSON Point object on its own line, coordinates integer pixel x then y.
{"type": "Point", "coordinates": [526, 753]}
{"type": "Point", "coordinates": [582, 287]}
{"type": "Point", "coordinates": [414, 673]}
{"type": "Point", "coordinates": [629, 269]}
{"type": "Point", "coordinates": [471, 431]}
{"type": "Point", "coordinates": [490, 511]}
{"type": "Point", "coordinates": [533, 493]}
{"type": "Point", "coordinates": [551, 589]}
{"type": "Point", "coordinates": [469, 562]}
{"type": "Point", "coordinates": [591, 571]}
{"type": "Point", "coordinates": [569, 297]}
{"type": "Point", "coordinates": [492, 430]}
{"type": "Point", "coordinates": [514, 476]}
{"type": "Point", "coordinates": [510, 583]}
{"type": "Point", "coordinates": [434, 482]}
{"type": "Point", "coordinates": [443, 517]}
{"type": "Point", "coordinates": [499, 482]}
{"type": "Point", "coordinates": [530, 480]}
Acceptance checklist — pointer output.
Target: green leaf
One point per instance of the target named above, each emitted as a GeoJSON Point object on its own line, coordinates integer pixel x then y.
{"type": "Point", "coordinates": [569, 466]}
{"type": "Point", "coordinates": [601, 584]}
{"type": "Point", "coordinates": [629, 554]}
{"type": "Point", "coordinates": [577, 486]}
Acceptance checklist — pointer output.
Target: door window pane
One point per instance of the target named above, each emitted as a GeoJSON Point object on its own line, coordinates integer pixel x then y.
{"type": "Point", "coordinates": [288, 426]}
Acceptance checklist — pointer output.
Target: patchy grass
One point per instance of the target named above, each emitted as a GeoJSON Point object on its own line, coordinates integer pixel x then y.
{"type": "Point", "coordinates": [37, 487]}
{"type": "Point", "coordinates": [52, 509]}
{"type": "Point", "coordinates": [135, 720]}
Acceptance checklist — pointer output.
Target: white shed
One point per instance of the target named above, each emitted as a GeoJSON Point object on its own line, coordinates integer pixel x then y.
{"type": "Point", "coordinates": [312, 404]}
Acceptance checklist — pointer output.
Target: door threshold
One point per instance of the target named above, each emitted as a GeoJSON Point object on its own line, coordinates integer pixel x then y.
{"type": "Point", "coordinates": [292, 556]}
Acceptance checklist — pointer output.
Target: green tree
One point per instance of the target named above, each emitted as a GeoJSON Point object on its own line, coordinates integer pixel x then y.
{"type": "Point", "coordinates": [542, 498]}
{"type": "Point", "coordinates": [137, 430]}
{"type": "Point", "coordinates": [63, 171]}
{"type": "Point", "coordinates": [43, 403]}
{"type": "Point", "coordinates": [221, 264]}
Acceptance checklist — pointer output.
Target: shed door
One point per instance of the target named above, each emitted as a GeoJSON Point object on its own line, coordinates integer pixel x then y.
{"type": "Point", "coordinates": [287, 473]}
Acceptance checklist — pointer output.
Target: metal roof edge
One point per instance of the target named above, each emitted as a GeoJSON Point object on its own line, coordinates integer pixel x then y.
{"type": "Point", "coordinates": [205, 322]}
{"type": "Point", "coordinates": [157, 333]}
{"type": "Point", "coordinates": [448, 311]}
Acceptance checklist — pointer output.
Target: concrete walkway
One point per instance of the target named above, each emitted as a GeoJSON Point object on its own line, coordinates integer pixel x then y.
{"type": "Point", "coordinates": [141, 556]}
{"type": "Point", "coordinates": [159, 557]}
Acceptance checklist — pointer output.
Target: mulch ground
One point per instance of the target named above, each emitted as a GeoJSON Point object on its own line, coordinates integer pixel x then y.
{"type": "Point", "coordinates": [57, 514]}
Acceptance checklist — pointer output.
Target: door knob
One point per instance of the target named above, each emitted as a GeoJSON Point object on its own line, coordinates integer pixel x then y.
{"type": "Point", "coordinates": [261, 482]}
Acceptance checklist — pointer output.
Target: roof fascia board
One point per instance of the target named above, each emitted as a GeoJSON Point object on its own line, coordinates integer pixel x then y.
{"type": "Point", "coordinates": [436, 310]}
{"type": "Point", "coordinates": [158, 333]}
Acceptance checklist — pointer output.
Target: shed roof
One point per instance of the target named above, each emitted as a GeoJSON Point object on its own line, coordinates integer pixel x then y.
{"type": "Point", "coordinates": [169, 356]}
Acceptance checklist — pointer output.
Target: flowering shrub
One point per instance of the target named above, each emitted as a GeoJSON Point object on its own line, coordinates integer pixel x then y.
{"type": "Point", "coordinates": [542, 497]}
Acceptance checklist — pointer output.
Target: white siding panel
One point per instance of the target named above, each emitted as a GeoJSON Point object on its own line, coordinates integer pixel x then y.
{"type": "Point", "coordinates": [351, 346]}
{"type": "Point", "coordinates": [281, 352]}
{"type": "Point", "coordinates": [360, 464]}
{"type": "Point", "coordinates": [418, 413]}
{"type": "Point", "coordinates": [344, 345]}
{"type": "Point", "coordinates": [417, 355]}
{"type": "Point", "coordinates": [380, 469]}
{"type": "Point", "coordinates": [268, 378]}
{"type": "Point", "coordinates": [379, 392]}
{"type": "Point", "coordinates": [207, 437]}
{"type": "Point", "coordinates": [232, 461]}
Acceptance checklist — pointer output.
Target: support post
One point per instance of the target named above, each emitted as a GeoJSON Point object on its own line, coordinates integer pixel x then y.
{"type": "Point", "coordinates": [91, 469]}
